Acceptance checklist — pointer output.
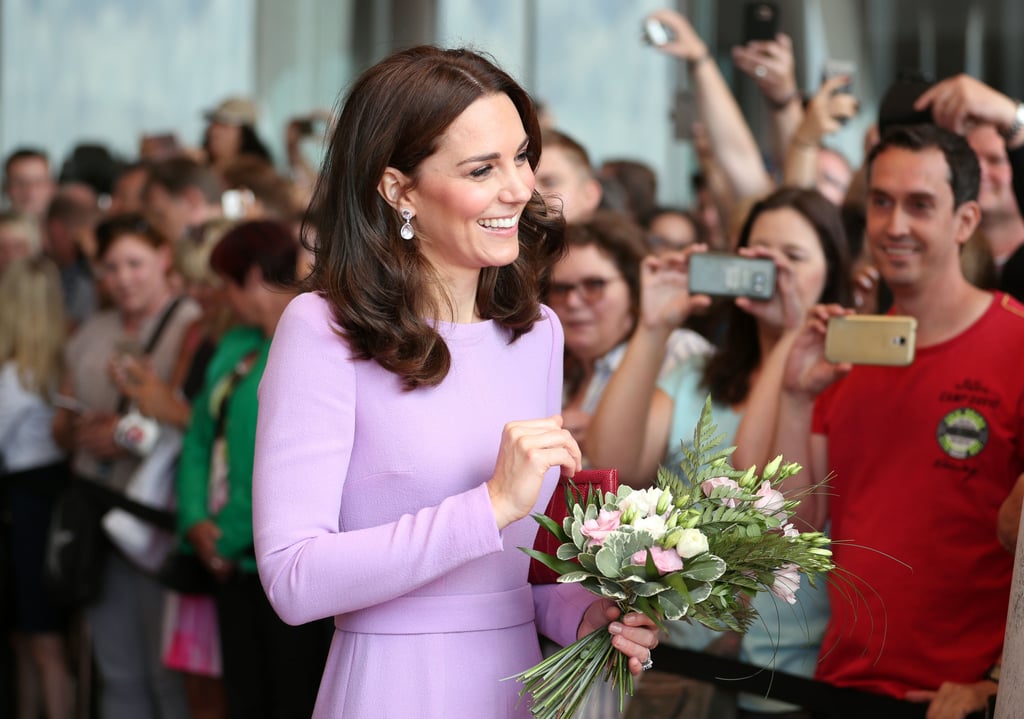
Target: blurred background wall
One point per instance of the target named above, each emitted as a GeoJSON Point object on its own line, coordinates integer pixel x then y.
{"type": "Point", "coordinates": [109, 70]}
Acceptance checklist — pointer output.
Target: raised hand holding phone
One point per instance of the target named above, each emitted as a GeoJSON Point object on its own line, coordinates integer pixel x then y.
{"type": "Point", "coordinates": [728, 275]}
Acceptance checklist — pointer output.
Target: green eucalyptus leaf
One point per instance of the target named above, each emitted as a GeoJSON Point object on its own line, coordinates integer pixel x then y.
{"type": "Point", "coordinates": [587, 562]}
{"type": "Point", "coordinates": [577, 536]}
{"type": "Point", "coordinates": [700, 592]}
{"type": "Point", "coordinates": [567, 552]}
{"type": "Point", "coordinates": [607, 562]}
{"type": "Point", "coordinates": [707, 568]}
{"type": "Point", "coordinates": [573, 577]}
{"type": "Point", "coordinates": [673, 605]}
{"type": "Point", "coordinates": [649, 589]}
{"type": "Point", "coordinates": [633, 572]}
{"type": "Point", "coordinates": [611, 589]}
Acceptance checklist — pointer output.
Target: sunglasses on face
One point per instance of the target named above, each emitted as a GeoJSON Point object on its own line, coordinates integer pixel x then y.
{"type": "Point", "coordinates": [591, 289]}
{"type": "Point", "coordinates": [657, 242]}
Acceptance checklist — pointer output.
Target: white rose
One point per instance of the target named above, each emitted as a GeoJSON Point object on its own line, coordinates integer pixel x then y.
{"type": "Point", "coordinates": [640, 501]}
{"type": "Point", "coordinates": [691, 543]}
{"type": "Point", "coordinates": [655, 525]}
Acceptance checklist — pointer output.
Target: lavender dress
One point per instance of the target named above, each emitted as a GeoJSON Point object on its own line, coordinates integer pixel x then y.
{"type": "Point", "coordinates": [370, 505]}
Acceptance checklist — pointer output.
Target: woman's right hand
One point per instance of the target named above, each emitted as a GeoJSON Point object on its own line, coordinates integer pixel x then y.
{"type": "Point", "coordinates": [528, 449]}
{"type": "Point", "coordinates": [686, 43]}
{"type": "Point", "coordinates": [826, 112]}
{"type": "Point", "coordinates": [770, 63]}
{"type": "Point", "coordinates": [665, 299]}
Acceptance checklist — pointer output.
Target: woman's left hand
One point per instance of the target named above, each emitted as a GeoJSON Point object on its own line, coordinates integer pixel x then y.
{"type": "Point", "coordinates": [634, 634]}
{"type": "Point", "coordinates": [786, 311]}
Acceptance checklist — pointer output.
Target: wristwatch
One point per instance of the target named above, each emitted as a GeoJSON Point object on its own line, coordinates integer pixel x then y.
{"type": "Point", "coordinates": [1018, 123]}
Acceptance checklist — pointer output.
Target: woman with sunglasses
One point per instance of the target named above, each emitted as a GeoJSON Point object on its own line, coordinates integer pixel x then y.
{"type": "Point", "coordinates": [595, 291]}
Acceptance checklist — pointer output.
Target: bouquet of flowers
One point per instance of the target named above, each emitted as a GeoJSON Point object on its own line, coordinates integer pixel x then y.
{"type": "Point", "coordinates": [693, 548]}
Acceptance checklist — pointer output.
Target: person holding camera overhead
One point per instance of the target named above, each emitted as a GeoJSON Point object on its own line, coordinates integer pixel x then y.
{"type": "Point", "coordinates": [408, 413]}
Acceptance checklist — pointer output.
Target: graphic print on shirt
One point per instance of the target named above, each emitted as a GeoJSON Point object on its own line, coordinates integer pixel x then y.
{"type": "Point", "coordinates": [964, 431]}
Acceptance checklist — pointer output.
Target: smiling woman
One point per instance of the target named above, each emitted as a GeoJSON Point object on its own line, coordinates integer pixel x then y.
{"type": "Point", "coordinates": [466, 199]}
{"type": "Point", "coordinates": [408, 414]}
{"type": "Point", "coordinates": [134, 260]}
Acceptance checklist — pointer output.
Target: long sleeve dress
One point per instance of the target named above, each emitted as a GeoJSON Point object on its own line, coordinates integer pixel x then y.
{"type": "Point", "coordinates": [370, 505]}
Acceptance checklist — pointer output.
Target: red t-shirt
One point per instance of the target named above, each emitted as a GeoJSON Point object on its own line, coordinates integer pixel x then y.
{"type": "Point", "coordinates": [922, 458]}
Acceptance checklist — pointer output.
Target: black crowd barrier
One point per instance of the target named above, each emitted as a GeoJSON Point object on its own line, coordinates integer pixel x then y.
{"type": "Point", "coordinates": [108, 498]}
{"type": "Point", "coordinates": [824, 701]}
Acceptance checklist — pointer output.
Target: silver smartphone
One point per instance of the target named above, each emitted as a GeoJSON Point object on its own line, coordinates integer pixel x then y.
{"type": "Point", "coordinates": [871, 339]}
{"type": "Point", "coordinates": [724, 275]}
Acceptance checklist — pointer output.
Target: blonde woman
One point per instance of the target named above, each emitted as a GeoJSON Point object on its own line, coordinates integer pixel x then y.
{"type": "Point", "coordinates": [19, 237]}
{"type": "Point", "coordinates": [31, 343]}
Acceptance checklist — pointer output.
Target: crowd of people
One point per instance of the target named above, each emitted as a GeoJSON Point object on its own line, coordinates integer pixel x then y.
{"type": "Point", "coordinates": [370, 374]}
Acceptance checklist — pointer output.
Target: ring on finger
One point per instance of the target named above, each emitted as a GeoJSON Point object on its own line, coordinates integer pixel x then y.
{"type": "Point", "coordinates": [649, 663]}
{"type": "Point", "coordinates": [760, 71]}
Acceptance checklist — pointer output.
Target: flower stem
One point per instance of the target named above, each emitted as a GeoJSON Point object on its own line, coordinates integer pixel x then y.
{"type": "Point", "coordinates": [559, 684]}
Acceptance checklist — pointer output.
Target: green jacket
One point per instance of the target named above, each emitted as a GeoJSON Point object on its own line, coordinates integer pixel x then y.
{"type": "Point", "coordinates": [235, 518]}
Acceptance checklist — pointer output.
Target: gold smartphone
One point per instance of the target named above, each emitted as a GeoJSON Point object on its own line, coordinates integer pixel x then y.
{"type": "Point", "coordinates": [871, 339]}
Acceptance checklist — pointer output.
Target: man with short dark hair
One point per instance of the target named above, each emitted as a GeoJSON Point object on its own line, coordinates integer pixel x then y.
{"type": "Point", "coordinates": [70, 225]}
{"type": "Point", "coordinates": [28, 185]}
{"type": "Point", "coordinates": [181, 194]}
{"type": "Point", "coordinates": [921, 457]}
{"type": "Point", "coordinates": [566, 178]}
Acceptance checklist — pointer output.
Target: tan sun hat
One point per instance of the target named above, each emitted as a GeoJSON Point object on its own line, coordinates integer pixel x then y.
{"type": "Point", "coordinates": [234, 111]}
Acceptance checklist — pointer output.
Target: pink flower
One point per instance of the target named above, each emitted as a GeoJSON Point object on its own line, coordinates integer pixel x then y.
{"type": "Point", "coordinates": [770, 501]}
{"type": "Point", "coordinates": [599, 529]}
{"type": "Point", "coordinates": [787, 581]}
{"type": "Point", "coordinates": [714, 483]}
{"type": "Point", "coordinates": [666, 560]}
{"type": "Point", "coordinates": [788, 530]}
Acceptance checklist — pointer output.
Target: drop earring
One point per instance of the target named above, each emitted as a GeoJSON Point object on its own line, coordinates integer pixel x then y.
{"type": "Point", "coordinates": [407, 231]}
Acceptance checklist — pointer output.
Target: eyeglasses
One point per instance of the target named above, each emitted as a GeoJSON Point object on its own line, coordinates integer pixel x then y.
{"type": "Point", "coordinates": [591, 289]}
{"type": "Point", "coordinates": [657, 242]}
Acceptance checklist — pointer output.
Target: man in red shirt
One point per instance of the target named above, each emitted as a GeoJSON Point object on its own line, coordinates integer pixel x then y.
{"type": "Point", "coordinates": [921, 457]}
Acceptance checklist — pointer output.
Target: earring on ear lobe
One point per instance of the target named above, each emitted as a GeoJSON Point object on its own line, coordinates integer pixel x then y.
{"type": "Point", "coordinates": [407, 231]}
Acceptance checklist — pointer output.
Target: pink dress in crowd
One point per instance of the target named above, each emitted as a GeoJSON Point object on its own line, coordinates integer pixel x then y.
{"type": "Point", "coordinates": [370, 505]}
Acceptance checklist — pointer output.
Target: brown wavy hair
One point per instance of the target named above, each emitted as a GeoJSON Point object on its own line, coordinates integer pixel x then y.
{"type": "Point", "coordinates": [378, 285]}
